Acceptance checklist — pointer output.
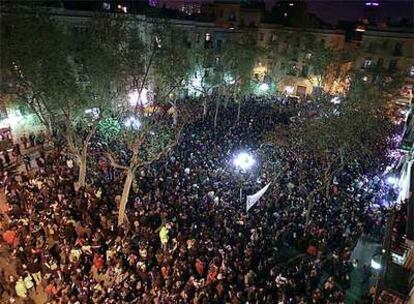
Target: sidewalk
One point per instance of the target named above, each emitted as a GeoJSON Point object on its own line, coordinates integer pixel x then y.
{"type": "Point", "coordinates": [363, 252]}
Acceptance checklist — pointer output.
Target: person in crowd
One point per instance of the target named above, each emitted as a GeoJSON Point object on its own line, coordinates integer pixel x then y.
{"type": "Point", "coordinates": [24, 141]}
{"type": "Point", "coordinates": [32, 139]}
{"type": "Point", "coordinates": [187, 238]}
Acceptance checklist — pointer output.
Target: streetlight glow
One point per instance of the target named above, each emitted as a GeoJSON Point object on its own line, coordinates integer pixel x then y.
{"type": "Point", "coordinates": [134, 97]}
{"type": "Point", "coordinates": [132, 122]}
{"type": "Point", "coordinates": [375, 265]}
{"type": "Point", "coordinates": [392, 181]}
{"type": "Point", "coordinates": [244, 161]}
{"type": "Point", "coordinates": [264, 87]}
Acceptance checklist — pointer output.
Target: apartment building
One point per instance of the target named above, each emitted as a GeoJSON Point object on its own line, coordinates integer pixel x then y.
{"type": "Point", "coordinates": [391, 49]}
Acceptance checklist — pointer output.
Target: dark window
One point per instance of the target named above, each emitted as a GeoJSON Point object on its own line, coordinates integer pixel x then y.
{"type": "Point", "coordinates": [198, 38]}
{"type": "Point", "coordinates": [398, 49]}
{"type": "Point", "coordinates": [380, 62]}
{"type": "Point", "coordinates": [305, 71]}
{"type": "Point", "coordinates": [371, 48]}
{"type": "Point", "coordinates": [301, 91]}
{"type": "Point", "coordinates": [292, 71]}
{"type": "Point", "coordinates": [393, 65]}
{"type": "Point", "coordinates": [219, 44]}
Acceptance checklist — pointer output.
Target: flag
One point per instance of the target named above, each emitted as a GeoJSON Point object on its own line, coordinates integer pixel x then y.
{"type": "Point", "coordinates": [252, 199]}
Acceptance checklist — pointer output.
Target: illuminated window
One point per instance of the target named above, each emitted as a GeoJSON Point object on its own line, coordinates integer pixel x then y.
{"type": "Point", "coordinates": [367, 63]}
{"type": "Point", "coordinates": [158, 41]}
{"type": "Point", "coordinates": [393, 65]}
{"type": "Point", "coordinates": [208, 36]}
{"type": "Point", "coordinates": [106, 6]}
{"type": "Point", "coordinates": [122, 8]}
{"type": "Point", "coordinates": [412, 71]}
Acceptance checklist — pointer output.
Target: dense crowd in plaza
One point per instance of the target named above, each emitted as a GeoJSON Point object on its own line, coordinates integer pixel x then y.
{"type": "Point", "coordinates": [188, 238]}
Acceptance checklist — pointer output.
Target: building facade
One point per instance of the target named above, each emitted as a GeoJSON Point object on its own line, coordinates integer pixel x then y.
{"type": "Point", "coordinates": [386, 47]}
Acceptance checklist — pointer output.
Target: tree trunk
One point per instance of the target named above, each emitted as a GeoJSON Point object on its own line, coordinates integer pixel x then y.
{"type": "Point", "coordinates": [216, 113]}
{"type": "Point", "coordinates": [308, 212]}
{"type": "Point", "coordinates": [310, 206]}
{"type": "Point", "coordinates": [205, 106]}
{"type": "Point", "coordinates": [238, 111]}
{"type": "Point", "coordinates": [175, 114]}
{"type": "Point", "coordinates": [82, 170]}
{"type": "Point", "coordinates": [125, 195]}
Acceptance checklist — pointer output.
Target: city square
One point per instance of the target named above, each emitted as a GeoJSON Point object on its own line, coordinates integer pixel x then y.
{"type": "Point", "coordinates": [206, 152]}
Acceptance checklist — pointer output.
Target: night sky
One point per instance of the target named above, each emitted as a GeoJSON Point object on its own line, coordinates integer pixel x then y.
{"type": "Point", "coordinates": [332, 11]}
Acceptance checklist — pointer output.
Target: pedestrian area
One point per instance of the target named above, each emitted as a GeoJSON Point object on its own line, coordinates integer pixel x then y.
{"type": "Point", "coordinates": [361, 282]}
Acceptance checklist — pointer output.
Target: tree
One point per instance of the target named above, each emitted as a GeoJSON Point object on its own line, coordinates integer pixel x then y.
{"type": "Point", "coordinates": [102, 82]}
{"type": "Point", "coordinates": [277, 58]}
{"type": "Point", "coordinates": [172, 69]}
{"type": "Point", "coordinates": [146, 130]}
{"type": "Point", "coordinates": [63, 80]}
{"type": "Point", "coordinates": [235, 70]}
{"type": "Point", "coordinates": [354, 134]}
{"type": "Point", "coordinates": [148, 139]}
{"type": "Point", "coordinates": [203, 80]}
{"type": "Point", "coordinates": [328, 65]}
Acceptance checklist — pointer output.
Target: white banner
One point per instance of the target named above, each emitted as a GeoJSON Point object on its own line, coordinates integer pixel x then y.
{"type": "Point", "coordinates": [252, 199]}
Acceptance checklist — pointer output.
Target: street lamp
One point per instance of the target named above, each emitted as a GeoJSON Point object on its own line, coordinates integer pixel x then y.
{"type": "Point", "coordinates": [392, 180]}
{"type": "Point", "coordinates": [243, 161]}
{"type": "Point", "coordinates": [132, 122]}
{"type": "Point", "coordinates": [264, 87]}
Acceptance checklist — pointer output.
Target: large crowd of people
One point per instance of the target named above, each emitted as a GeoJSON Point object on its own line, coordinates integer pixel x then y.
{"type": "Point", "coordinates": [188, 238]}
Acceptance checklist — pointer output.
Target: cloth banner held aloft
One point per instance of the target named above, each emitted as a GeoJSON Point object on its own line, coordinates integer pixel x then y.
{"type": "Point", "coordinates": [252, 199]}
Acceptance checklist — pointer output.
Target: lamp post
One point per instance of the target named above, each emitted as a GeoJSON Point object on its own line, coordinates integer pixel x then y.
{"type": "Point", "coordinates": [243, 161]}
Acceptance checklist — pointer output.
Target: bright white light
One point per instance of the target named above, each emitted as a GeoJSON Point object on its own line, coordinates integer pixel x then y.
{"type": "Point", "coordinates": [132, 122]}
{"type": "Point", "coordinates": [392, 180]}
{"type": "Point", "coordinates": [229, 79]}
{"type": "Point", "coordinates": [264, 87]}
{"type": "Point", "coordinates": [375, 265]}
{"type": "Point", "coordinates": [336, 100]}
{"type": "Point", "coordinates": [244, 161]}
{"type": "Point", "coordinates": [365, 78]}
{"type": "Point", "coordinates": [289, 89]}
{"type": "Point", "coordinates": [93, 111]}
{"type": "Point", "coordinates": [134, 97]}
{"type": "Point", "coordinates": [196, 82]}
